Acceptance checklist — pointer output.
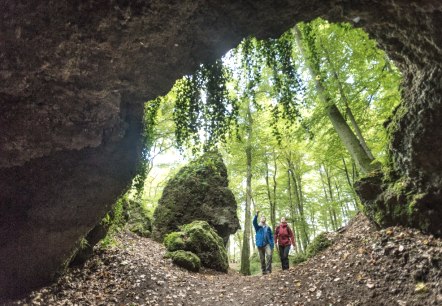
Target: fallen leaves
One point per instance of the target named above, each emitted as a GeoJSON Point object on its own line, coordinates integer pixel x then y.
{"type": "Point", "coordinates": [395, 266]}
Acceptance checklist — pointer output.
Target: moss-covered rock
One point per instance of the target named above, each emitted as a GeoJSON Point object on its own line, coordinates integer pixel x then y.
{"type": "Point", "coordinates": [138, 220]}
{"type": "Point", "coordinates": [185, 259]}
{"type": "Point", "coordinates": [320, 243]}
{"type": "Point", "coordinates": [201, 239]}
{"type": "Point", "coordinates": [175, 241]}
{"type": "Point", "coordinates": [199, 191]}
{"type": "Point", "coordinates": [390, 199]}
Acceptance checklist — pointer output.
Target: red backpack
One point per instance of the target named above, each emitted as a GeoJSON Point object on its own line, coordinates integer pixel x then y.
{"type": "Point", "coordinates": [284, 233]}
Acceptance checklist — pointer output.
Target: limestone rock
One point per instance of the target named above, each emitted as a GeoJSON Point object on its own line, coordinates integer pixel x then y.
{"type": "Point", "coordinates": [198, 192]}
{"type": "Point", "coordinates": [201, 239]}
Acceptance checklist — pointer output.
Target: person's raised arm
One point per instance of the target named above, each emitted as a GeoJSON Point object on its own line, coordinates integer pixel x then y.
{"type": "Point", "coordinates": [255, 221]}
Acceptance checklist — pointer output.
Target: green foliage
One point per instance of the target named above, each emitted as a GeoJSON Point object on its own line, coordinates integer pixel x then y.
{"type": "Point", "coordinates": [210, 112]}
{"type": "Point", "coordinates": [114, 221]}
{"type": "Point", "coordinates": [149, 124]}
{"type": "Point", "coordinates": [137, 215]}
{"type": "Point", "coordinates": [185, 259]}
{"type": "Point", "coordinates": [261, 94]}
{"type": "Point", "coordinates": [84, 243]}
{"type": "Point", "coordinates": [320, 243]}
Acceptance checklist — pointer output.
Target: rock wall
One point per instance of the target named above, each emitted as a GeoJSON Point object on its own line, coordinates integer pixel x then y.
{"type": "Point", "coordinates": [74, 75]}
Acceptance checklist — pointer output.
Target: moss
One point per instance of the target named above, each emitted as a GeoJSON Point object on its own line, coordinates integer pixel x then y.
{"type": "Point", "coordinates": [201, 239]}
{"type": "Point", "coordinates": [204, 241]}
{"type": "Point", "coordinates": [174, 241]}
{"type": "Point", "coordinates": [140, 230]}
{"type": "Point", "coordinates": [298, 258]}
{"type": "Point", "coordinates": [379, 217]}
{"type": "Point", "coordinates": [185, 259]}
{"type": "Point", "coordinates": [320, 243]}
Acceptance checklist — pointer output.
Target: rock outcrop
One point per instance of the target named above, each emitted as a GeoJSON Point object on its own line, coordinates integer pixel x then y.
{"type": "Point", "coordinates": [199, 191]}
{"type": "Point", "coordinates": [74, 76]}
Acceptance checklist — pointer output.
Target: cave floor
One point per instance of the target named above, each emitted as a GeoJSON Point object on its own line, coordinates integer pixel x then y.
{"type": "Point", "coordinates": [394, 266]}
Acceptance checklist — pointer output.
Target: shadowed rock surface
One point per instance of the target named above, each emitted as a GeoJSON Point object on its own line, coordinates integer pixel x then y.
{"type": "Point", "coordinates": [199, 191]}
{"type": "Point", "coordinates": [74, 75]}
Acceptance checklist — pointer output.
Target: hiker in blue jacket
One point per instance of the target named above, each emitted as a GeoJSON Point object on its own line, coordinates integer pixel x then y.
{"type": "Point", "coordinates": [264, 243]}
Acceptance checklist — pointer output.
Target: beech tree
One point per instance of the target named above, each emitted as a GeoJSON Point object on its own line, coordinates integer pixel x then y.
{"type": "Point", "coordinates": [298, 120]}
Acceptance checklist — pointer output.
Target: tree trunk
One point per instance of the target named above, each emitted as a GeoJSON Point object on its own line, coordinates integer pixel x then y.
{"type": "Point", "coordinates": [293, 213]}
{"type": "Point", "coordinates": [341, 127]}
{"type": "Point", "coordinates": [269, 195]}
{"type": "Point", "coordinates": [245, 254]}
{"type": "Point", "coordinates": [348, 111]}
{"type": "Point", "coordinates": [252, 232]}
{"type": "Point", "coordinates": [350, 184]}
{"type": "Point", "coordinates": [275, 169]}
{"type": "Point", "coordinates": [298, 202]}
{"type": "Point", "coordinates": [328, 200]}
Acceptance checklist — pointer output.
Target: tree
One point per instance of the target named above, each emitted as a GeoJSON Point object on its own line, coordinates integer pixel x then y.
{"type": "Point", "coordinates": [341, 127]}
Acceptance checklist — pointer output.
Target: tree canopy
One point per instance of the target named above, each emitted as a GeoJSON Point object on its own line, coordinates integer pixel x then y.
{"type": "Point", "coordinates": [298, 120]}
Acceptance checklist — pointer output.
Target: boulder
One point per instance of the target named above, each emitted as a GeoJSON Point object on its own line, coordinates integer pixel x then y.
{"type": "Point", "coordinates": [201, 239]}
{"type": "Point", "coordinates": [185, 259]}
{"type": "Point", "coordinates": [198, 192]}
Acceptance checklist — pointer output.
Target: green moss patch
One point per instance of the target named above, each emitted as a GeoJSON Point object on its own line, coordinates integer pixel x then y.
{"type": "Point", "coordinates": [201, 239]}
{"type": "Point", "coordinates": [320, 243]}
{"type": "Point", "coordinates": [174, 241]}
{"type": "Point", "coordinates": [185, 259]}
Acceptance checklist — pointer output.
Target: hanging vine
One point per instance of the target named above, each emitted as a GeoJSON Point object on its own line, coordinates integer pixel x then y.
{"type": "Point", "coordinates": [149, 122]}
{"type": "Point", "coordinates": [203, 107]}
{"type": "Point", "coordinates": [204, 110]}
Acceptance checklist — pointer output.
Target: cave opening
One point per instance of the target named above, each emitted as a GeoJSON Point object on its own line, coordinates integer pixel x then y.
{"type": "Point", "coordinates": [72, 98]}
{"type": "Point", "coordinates": [273, 98]}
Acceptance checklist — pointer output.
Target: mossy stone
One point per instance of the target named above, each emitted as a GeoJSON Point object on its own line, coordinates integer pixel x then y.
{"type": "Point", "coordinates": [185, 259]}
{"type": "Point", "coordinates": [320, 243]}
{"type": "Point", "coordinates": [201, 239]}
{"type": "Point", "coordinates": [174, 241]}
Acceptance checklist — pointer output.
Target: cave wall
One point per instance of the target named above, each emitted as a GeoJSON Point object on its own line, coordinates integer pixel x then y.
{"type": "Point", "coordinates": [74, 75]}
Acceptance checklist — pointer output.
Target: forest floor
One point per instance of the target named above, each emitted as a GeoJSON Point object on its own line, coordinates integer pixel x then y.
{"type": "Point", "coordinates": [394, 266]}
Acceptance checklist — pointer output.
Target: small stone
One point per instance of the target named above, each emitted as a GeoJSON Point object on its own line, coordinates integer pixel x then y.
{"type": "Point", "coordinates": [421, 288]}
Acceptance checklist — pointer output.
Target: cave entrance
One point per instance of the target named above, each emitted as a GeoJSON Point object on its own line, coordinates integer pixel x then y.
{"type": "Point", "coordinates": [298, 120]}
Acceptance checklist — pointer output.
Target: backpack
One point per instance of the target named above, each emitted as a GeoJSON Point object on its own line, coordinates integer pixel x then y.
{"type": "Point", "coordinates": [285, 232]}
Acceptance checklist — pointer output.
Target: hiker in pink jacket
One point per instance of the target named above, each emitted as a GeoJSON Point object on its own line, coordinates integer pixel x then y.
{"type": "Point", "coordinates": [284, 238]}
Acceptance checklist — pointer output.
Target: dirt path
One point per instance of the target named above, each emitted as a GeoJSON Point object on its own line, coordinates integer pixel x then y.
{"type": "Point", "coordinates": [395, 266]}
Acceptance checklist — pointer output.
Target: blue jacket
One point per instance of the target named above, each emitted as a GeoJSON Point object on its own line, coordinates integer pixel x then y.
{"type": "Point", "coordinates": [262, 237]}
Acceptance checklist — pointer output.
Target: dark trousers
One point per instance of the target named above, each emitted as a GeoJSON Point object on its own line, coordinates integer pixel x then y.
{"type": "Point", "coordinates": [265, 253]}
{"type": "Point", "coordinates": [284, 255]}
